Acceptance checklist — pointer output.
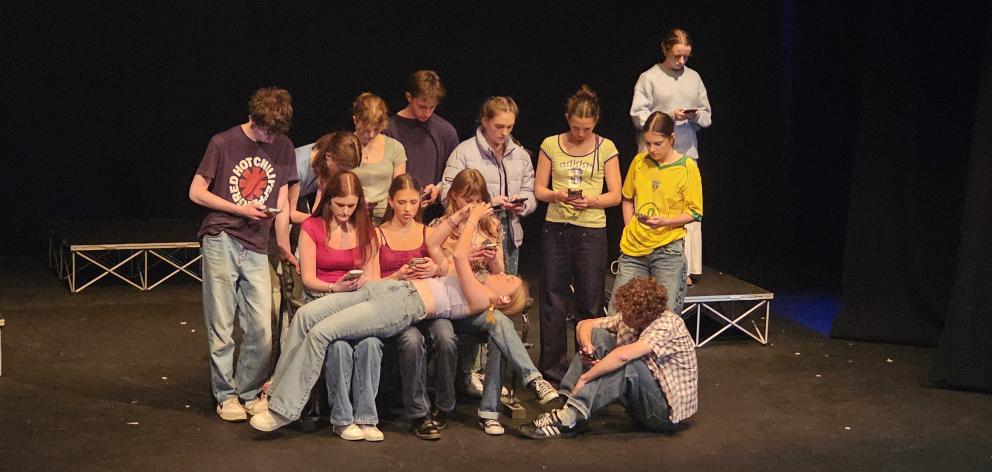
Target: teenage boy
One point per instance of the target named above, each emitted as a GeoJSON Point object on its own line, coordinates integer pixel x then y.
{"type": "Point", "coordinates": [642, 357]}
{"type": "Point", "coordinates": [427, 138]}
{"type": "Point", "coordinates": [243, 180]}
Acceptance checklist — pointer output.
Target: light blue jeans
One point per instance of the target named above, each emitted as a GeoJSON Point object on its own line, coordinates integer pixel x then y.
{"type": "Point", "coordinates": [666, 264]}
{"type": "Point", "coordinates": [236, 282]}
{"type": "Point", "coordinates": [353, 368]}
{"type": "Point", "coordinates": [379, 309]}
{"type": "Point", "coordinates": [633, 385]}
{"type": "Point", "coordinates": [503, 343]}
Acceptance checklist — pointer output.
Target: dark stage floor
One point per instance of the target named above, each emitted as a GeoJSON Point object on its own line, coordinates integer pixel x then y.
{"type": "Point", "coordinates": [116, 379]}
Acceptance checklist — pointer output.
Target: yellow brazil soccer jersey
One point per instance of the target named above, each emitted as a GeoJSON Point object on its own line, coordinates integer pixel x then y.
{"type": "Point", "coordinates": [667, 190]}
{"type": "Point", "coordinates": [585, 172]}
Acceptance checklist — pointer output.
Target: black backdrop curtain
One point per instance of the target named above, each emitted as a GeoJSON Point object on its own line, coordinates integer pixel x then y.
{"type": "Point", "coordinates": [916, 120]}
{"type": "Point", "coordinates": [965, 356]}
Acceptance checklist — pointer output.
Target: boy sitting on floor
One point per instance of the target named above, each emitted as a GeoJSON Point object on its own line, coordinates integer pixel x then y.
{"type": "Point", "coordinates": [643, 357]}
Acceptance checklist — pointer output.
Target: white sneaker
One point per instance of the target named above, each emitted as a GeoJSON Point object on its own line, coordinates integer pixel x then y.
{"type": "Point", "coordinates": [231, 410]}
{"type": "Point", "coordinates": [349, 433]}
{"type": "Point", "coordinates": [543, 390]}
{"type": "Point", "coordinates": [257, 406]}
{"type": "Point", "coordinates": [371, 432]}
{"type": "Point", "coordinates": [269, 421]}
{"type": "Point", "coordinates": [491, 426]}
{"type": "Point", "coordinates": [471, 384]}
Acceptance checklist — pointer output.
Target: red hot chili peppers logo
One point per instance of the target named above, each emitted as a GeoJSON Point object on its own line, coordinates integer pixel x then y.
{"type": "Point", "coordinates": [253, 180]}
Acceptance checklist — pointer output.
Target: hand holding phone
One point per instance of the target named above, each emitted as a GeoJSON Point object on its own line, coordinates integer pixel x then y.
{"type": "Point", "coordinates": [272, 211]}
{"type": "Point", "coordinates": [489, 245]}
{"type": "Point", "coordinates": [352, 275]}
{"type": "Point", "coordinates": [417, 261]}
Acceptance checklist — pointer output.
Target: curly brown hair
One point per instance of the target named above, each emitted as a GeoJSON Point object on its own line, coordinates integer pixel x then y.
{"type": "Point", "coordinates": [640, 301]}
{"type": "Point", "coordinates": [271, 108]}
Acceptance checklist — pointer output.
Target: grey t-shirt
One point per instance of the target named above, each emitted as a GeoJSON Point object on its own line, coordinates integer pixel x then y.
{"type": "Point", "coordinates": [244, 171]}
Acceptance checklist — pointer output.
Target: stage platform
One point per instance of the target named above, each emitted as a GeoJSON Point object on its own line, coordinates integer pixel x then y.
{"type": "Point", "coordinates": [143, 253]}
{"type": "Point", "coordinates": [710, 297]}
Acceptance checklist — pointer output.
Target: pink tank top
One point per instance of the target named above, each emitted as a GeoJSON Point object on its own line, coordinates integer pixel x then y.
{"type": "Point", "coordinates": [390, 260]}
{"type": "Point", "coordinates": [331, 263]}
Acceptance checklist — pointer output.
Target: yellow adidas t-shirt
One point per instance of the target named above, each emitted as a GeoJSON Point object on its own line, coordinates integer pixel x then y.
{"type": "Point", "coordinates": [667, 190]}
{"type": "Point", "coordinates": [586, 172]}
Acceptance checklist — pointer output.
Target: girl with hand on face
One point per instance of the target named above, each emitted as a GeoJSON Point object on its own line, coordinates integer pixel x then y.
{"type": "Point", "coordinates": [337, 239]}
{"type": "Point", "coordinates": [571, 170]}
{"type": "Point", "coordinates": [466, 188]}
{"type": "Point", "coordinates": [506, 166]}
{"type": "Point", "coordinates": [676, 89]}
{"type": "Point", "coordinates": [383, 158]}
{"type": "Point", "coordinates": [662, 193]}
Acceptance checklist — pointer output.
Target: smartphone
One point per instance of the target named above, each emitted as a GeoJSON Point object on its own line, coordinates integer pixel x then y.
{"type": "Point", "coordinates": [574, 193]}
{"type": "Point", "coordinates": [272, 211]}
{"type": "Point", "coordinates": [641, 216]}
{"type": "Point", "coordinates": [426, 195]}
{"type": "Point", "coordinates": [352, 275]}
{"type": "Point", "coordinates": [417, 261]}
{"type": "Point", "coordinates": [517, 201]}
{"type": "Point", "coordinates": [690, 110]}
{"type": "Point", "coordinates": [498, 207]}
{"type": "Point", "coordinates": [489, 245]}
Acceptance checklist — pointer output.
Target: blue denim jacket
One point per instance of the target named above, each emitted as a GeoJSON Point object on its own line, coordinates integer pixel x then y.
{"type": "Point", "coordinates": [513, 176]}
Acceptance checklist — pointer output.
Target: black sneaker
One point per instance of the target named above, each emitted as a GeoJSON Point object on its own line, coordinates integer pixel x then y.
{"type": "Point", "coordinates": [425, 429]}
{"type": "Point", "coordinates": [548, 426]}
{"type": "Point", "coordinates": [439, 418]}
{"type": "Point", "coordinates": [543, 390]}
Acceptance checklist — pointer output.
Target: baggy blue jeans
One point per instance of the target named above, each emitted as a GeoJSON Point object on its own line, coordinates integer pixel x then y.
{"type": "Point", "coordinates": [503, 343]}
{"type": "Point", "coordinates": [379, 309]}
{"type": "Point", "coordinates": [666, 264]}
{"type": "Point", "coordinates": [353, 368]}
{"type": "Point", "coordinates": [236, 283]}
{"type": "Point", "coordinates": [633, 385]}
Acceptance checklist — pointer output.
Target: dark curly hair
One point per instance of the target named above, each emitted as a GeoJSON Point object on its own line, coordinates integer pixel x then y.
{"type": "Point", "coordinates": [640, 301]}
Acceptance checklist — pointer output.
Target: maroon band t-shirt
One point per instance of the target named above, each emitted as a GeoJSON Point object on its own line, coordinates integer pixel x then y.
{"type": "Point", "coordinates": [244, 171]}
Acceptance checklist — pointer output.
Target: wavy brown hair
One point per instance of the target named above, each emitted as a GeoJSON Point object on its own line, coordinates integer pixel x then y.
{"type": "Point", "coordinates": [346, 184]}
{"type": "Point", "coordinates": [640, 301]}
{"type": "Point", "coordinates": [271, 108]}
{"type": "Point", "coordinates": [345, 150]}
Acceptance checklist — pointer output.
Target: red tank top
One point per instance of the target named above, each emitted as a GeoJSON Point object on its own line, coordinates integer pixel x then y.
{"type": "Point", "coordinates": [390, 260]}
{"type": "Point", "coordinates": [331, 263]}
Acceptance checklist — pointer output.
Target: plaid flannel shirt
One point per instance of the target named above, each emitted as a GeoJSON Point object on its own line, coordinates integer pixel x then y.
{"type": "Point", "coordinates": [672, 359]}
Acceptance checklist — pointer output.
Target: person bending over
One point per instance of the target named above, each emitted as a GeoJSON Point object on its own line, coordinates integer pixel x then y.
{"type": "Point", "coordinates": [317, 162]}
{"type": "Point", "coordinates": [642, 357]}
{"type": "Point", "coordinates": [384, 308]}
